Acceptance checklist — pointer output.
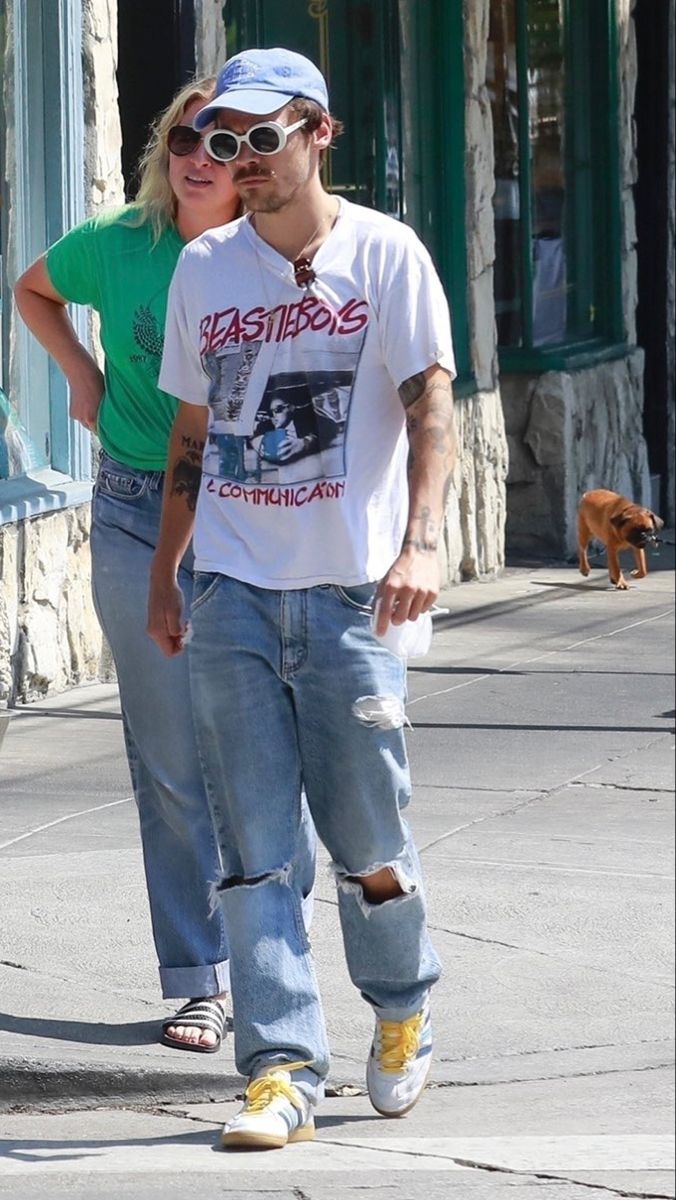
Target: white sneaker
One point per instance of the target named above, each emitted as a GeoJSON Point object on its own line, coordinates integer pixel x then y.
{"type": "Point", "coordinates": [399, 1063]}
{"type": "Point", "coordinates": [274, 1112]}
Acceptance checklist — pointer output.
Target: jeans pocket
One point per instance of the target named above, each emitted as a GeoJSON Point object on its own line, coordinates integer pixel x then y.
{"type": "Point", "coordinates": [121, 483]}
{"type": "Point", "coordinates": [360, 596]}
{"type": "Point", "coordinates": [205, 583]}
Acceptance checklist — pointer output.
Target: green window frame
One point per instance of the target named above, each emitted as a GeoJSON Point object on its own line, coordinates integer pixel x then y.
{"type": "Point", "coordinates": [589, 236]}
{"type": "Point", "coordinates": [45, 458]}
{"type": "Point", "coordinates": [403, 149]}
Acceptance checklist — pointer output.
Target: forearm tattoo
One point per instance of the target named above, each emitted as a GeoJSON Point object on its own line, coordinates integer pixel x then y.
{"type": "Point", "coordinates": [187, 473]}
{"type": "Point", "coordinates": [422, 532]}
{"type": "Point", "coordinates": [431, 432]}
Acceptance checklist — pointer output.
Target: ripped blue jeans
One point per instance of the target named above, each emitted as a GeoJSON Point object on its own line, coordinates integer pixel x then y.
{"type": "Point", "coordinates": [291, 688]}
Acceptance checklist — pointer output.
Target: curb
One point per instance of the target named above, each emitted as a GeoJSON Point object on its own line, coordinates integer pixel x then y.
{"type": "Point", "coordinates": [66, 1086]}
{"type": "Point", "coordinates": [60, 1086]}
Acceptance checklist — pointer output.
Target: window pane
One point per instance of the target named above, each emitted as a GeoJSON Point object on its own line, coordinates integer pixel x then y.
{"type": "Point", "coordinates": [546, 92]}
{"type": "Point", "coordinates": [547, 155]}
{"type": "Point", "coordinates": [503, 91]}
{"type": "Point", "coordinates": [24, 398]}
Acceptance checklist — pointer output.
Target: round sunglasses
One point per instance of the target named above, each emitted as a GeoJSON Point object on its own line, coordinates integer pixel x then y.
{"type": "Point", "coordinates": [267, 138]}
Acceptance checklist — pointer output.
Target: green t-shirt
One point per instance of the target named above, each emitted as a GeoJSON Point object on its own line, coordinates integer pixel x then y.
{"type": "Point", "coordinates": [112, 265]}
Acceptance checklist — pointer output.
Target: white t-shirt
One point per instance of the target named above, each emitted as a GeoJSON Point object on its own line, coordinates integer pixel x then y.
{"type": "Point", "coordinates": [304, 473]}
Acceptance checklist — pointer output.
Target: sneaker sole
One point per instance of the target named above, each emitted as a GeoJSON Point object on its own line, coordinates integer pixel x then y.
{"type": "Point", "coordinates": [401, 1112]}
{"type": "Point", "coordinates": [248, 1138]}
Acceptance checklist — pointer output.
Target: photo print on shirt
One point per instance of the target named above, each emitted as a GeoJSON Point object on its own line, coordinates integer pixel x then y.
{"type": "Point", "coordinates": [292, 433]}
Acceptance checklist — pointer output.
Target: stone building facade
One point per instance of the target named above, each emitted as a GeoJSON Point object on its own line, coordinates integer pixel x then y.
{"type": "Point", "coordinates": [530, 442]}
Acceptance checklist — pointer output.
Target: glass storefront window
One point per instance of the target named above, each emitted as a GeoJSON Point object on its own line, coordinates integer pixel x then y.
{"type": "Point", "coordinates": [41, 194]}
{"type": "Point", "coordinates": [549, 87]}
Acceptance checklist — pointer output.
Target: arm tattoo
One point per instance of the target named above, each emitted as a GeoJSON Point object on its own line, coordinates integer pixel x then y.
{"type": "Point", "coordinates": [431, 434]}
{"type": "Point", "coordinates": [429, 416]}
{"type": "Point", "coordinates": [187, 473]}
{"type": "Point", "coordinates": [422, 532]}
{"type": "Point", "coordinates": [412, 389]}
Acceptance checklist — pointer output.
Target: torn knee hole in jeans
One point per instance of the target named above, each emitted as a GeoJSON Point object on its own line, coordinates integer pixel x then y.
{"type": "Point", "coordinates": [351, 883]}
{"type": "Point", "coordinates": [381, 712]}
{"type": "Point", "coordinates": [228, 882]}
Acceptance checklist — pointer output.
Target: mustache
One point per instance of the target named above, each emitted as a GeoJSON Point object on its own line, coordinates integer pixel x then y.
{"type": "Point", "coordinates": [251, 173]}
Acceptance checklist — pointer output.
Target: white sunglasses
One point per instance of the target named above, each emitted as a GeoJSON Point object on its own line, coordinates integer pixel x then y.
{"type": "Point", "coordinates": [267, 138]}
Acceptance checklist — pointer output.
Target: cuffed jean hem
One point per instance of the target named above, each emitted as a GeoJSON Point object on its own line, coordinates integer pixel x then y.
{"type": "Point", "coordinates": [397, 1014]}
{"type": "Point", "coordinates": [195, 982]}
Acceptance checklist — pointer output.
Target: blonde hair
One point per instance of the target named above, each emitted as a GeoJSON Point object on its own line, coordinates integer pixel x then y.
{"type": "Point", "coordinates": [155, 201]}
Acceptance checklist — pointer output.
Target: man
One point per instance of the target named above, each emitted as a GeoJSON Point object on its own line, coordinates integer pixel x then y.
{"type": "Point", "coordinates": [290, 683]}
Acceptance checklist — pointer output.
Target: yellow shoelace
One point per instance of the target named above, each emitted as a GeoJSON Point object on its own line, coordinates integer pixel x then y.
{"type": "Point", "coordinates": [266, 1088]}
{"type": "Point", "coordinates": [399, 1043]}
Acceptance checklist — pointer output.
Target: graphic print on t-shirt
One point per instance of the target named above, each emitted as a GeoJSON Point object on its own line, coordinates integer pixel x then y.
{"type": "Point", "coordinates": [147, 327]}
{"type": "Point", "coordinates": [287, 425]}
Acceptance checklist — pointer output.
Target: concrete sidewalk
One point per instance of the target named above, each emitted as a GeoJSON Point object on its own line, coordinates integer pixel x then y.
{"type": "Point", "coordinates": [542, 754]}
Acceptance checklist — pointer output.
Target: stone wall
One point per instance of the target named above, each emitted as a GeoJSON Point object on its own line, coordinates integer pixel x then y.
{"type": "Point", "coordinates": [49, 636]}
{"type": "Point", "coordinates": [210, 51]}
{"type": "Point", "coordinates": [568, 432]}
{"type": "Point", "coordinates": [475, 526]}
{"type": "Point", "coordinates": [473, 544]}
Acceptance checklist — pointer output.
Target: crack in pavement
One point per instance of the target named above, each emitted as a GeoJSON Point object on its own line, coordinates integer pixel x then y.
{"type": "Point", "coordinates": [551, 1178]}
{"type": "Point", "coordinates": [566, 1049]}
{"type": "Point", "coordinates": [506, 812]}
{"type": "Point", "coordinates": [467, 1083]}
{"type": "Point", "coordinates": [76, 979]}
{"type": "Point", "coordinates": [60, 820]}
{"type": "Point", "coordinates": [558, 958]}
{"type": "Point", "coordinates": [577, 780]}
{"type": "Point", "coordinates": [626, 787]}
{"type": "Point", "coordinates": [491, 1168]}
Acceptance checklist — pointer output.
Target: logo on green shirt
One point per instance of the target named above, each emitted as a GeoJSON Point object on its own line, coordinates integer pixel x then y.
{"type": "Point", "coordinates": [147, 332]}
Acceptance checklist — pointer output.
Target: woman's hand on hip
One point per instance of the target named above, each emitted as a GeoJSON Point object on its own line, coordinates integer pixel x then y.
{"type": "Point", "coordinates": [86, 392]}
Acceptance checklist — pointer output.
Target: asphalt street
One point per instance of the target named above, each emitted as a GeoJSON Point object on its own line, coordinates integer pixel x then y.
{"type": "Point", "coordinates": [542, 753]}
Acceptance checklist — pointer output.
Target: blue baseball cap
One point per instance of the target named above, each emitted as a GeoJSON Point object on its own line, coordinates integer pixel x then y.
{"type": "Point", "coordinates": [261, 81]}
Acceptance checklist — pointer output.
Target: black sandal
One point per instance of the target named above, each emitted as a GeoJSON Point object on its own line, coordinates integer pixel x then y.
{"type": "Point", "coordinates": [204, 1013]}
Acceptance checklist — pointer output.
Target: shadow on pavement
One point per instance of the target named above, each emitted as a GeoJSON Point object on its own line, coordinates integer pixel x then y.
{"type": "Point", "coordinates": [32, 1150]}
{"type": "Point", "coordinates": [551, 727]}
{"type": "Point", "coordinates": [134, 1033]}
{"type": "Point", "coordinates": [33, 711]}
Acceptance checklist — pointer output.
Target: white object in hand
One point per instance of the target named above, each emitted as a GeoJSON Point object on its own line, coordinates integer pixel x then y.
{"type": "Point", "coordinates": [410, 640]}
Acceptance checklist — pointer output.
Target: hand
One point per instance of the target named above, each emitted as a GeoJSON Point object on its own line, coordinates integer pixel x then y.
{"type": "Point", "coordinates": [166, 625]}
{"type": "Point", "coordinates": [410, 588]}
{"type": "Point", "coordinates": [294, 447]}
{"type": "Point", "coordinates": [86, 391]}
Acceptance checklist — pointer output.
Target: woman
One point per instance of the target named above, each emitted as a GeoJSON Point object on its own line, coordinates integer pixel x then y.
{"type": "Point", "coordinates": [121, 265]}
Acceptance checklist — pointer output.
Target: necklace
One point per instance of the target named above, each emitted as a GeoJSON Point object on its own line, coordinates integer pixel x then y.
{"type": "Point", "coordinates": [303, 272]}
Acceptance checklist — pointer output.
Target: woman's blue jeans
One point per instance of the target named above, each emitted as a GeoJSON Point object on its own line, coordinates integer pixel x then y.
{"type": "Point", "coordinates": [180, 853]}
{"type": "Point", "coordinates": [291, 687]}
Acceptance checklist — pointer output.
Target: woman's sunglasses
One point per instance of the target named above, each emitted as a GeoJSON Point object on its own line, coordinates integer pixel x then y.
{"type": "Point", "coordinates": [267, 138]}
{"type": "Point", "coordinates": [183, 139]}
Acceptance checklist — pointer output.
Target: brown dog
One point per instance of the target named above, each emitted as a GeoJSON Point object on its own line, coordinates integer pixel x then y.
{"type": "Point", "coordinates": [620, 525]}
